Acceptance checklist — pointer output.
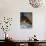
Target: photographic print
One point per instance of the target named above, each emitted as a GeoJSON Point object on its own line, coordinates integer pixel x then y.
{"type": "Point", "coordinates": [26, 19]}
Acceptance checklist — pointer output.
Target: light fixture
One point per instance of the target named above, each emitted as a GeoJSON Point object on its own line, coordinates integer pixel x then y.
{"type": "Point", "coordinates": [35, 3]}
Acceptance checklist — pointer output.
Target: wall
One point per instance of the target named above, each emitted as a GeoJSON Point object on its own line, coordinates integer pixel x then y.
{"type": "Point", "coordinates": [12, 8]}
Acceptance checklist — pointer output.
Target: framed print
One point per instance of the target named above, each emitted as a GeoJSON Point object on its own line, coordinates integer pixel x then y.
{"type": "Point", "coordinates": [26, 19]}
